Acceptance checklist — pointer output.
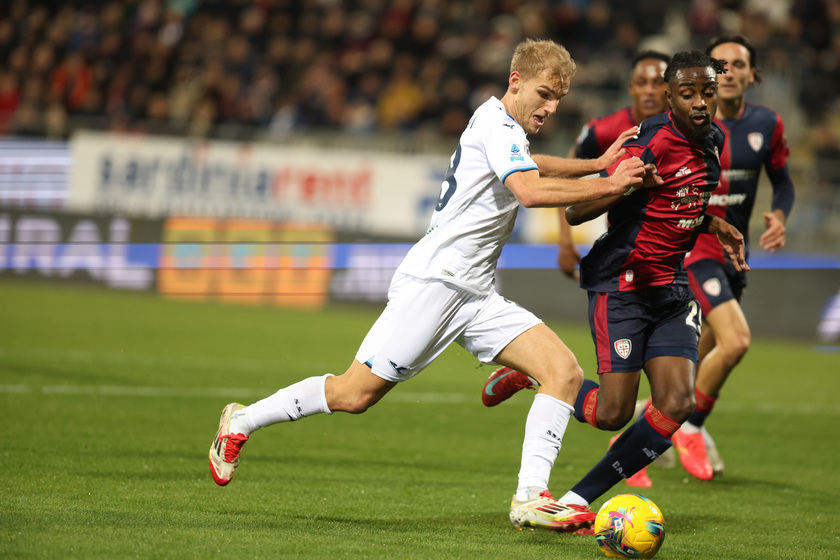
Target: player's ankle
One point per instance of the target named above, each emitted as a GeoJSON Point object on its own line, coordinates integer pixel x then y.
{"type": "Point", "coordinates": [528, 493]}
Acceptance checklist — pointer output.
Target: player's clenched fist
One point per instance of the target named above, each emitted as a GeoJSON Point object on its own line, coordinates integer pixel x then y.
{"type": "Point", "coordinates": [628, 175]}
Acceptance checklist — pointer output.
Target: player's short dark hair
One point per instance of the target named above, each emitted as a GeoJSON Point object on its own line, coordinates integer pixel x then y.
{"type": "Point", "coordinates": [693, 59]}
{"type": "Point", "coordinates": [741, 40]}
{"type": "Point", "coordinates": [644, 55]}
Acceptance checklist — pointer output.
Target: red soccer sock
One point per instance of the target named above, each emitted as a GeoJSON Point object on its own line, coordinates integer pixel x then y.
{"type": "Point", "coordinates": [705, 404]}
{"type": "Point", "coordinates": [586, 403]}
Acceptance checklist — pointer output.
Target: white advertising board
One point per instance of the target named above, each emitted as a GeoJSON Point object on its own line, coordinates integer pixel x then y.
{"type": "Point", "coordinates": [156, 177]}
{"type": "Point", "coordinates": [365, 192]}
{"type": "Point", "coordinates": [33, 173]}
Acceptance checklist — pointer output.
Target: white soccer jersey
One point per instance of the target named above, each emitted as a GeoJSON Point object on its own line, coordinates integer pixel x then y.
{"type": "Point", "coordinates": [475, 212]}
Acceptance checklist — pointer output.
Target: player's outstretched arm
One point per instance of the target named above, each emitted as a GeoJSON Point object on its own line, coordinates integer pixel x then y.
{"type": "Point", "coordinates": [615, 151]}
{"type": "Point", "coordinates": [580, 213]}
{"type": "Point", "coordinates": [585, 211]}
{"type": "Point", "coordinates": [567, 168]}
{"type": "Point", "coordinates": [534, 191]}
{"type": "Point", "coordinates": [570, 167]}
{"type": "Point", "coordinates": [730, 239]}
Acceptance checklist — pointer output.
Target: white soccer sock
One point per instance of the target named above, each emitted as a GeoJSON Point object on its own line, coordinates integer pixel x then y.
{"type": "Point", "coordinates": [544, 429]}
{"type": "Point", "coordinates": [573, 498]}
{"type": "Point", "coordinates": [291, 403]}
{"type": "Point", "coordinates": [689, 428]}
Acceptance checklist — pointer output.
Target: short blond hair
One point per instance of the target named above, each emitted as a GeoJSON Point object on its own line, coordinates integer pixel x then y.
{"type": "Point", "coordinates": [531, 58]}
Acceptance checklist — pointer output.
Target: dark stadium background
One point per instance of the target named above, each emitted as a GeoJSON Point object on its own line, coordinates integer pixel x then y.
{"type": "Point", "coordinates": [393, 77]}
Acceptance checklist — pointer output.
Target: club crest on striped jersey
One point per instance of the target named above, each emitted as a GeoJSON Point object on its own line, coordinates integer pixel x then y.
{"type": "Point", "coordinates": [755, 140]}
{"type": "Point", "coordinates": [712, 287]}
{"type": "Point", "coordinates": [623, 347]}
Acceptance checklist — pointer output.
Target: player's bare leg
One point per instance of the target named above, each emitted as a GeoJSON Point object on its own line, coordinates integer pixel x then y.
{"type": "Point", "coordinates": [354, 391]}
{"type": "Point", "coordinates": [540, 353]}
{"type": "Point", "coordinates": [728, 327]}
{"type": "Point", "coordinates": [725, 340]}
{"type": "Point", "coordinates": [672, 386]}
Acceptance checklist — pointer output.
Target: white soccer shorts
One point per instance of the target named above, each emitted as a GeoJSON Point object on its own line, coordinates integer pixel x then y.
{"type": "Point", "coordinates": [423, 317]}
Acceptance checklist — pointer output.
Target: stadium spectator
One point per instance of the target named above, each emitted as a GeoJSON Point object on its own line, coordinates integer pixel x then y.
{"type": "Point", "coordinates": [55, 122]}
{"type": "Point", "coordinates": [9, 99]}
{"type": "Point", "coordinates": [401, 101]}
{"type": "Point", "coordinates": [27, 120]}
{"type": "Point", "coordinates": [444, 290]}
{"type": "Point", "coordinates": [156, 38]}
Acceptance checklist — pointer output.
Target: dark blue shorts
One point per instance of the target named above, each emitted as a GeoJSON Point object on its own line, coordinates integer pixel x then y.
{"type": "Point", "coordinates": [630, 328]}
{"type": "Point", "coordinates": [714, 283]}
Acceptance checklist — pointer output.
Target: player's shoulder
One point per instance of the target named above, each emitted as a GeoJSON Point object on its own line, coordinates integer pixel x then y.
{"type": "Point", "coordinates": [760, 114]}
{"type": "Point", "coordinates": [754, 109]}
{"type": "Point", "coordinates": [652, 126]}
{"type": "Point", "coordinates": [621, 119]}
{"type": "Point", "coordinates": [490, 118]}
{"type": "Point", "coordinates": [493, 111]}
{"type": "Point", "coordinates": [718, 135]}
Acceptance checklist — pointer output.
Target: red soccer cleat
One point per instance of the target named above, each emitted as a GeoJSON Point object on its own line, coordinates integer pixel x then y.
{"type": "Point", "coordinates": [503, 384]}
{"type": "Point", "coordinates": [692, 452]}
{"type": "Point", "coordinates": [224, 453]}
{"type": "Point", "coordinates": [640, 479]}
{"type": "Point", "coordinates": [544, 512]}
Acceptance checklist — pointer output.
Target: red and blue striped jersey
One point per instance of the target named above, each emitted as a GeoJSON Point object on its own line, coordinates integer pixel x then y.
{"type": "Point", "coordinates": [651, 230]}
{"type": "Point", "coordinates": [599, 134]}
{"type": "Point", "coordinates": [754, 140]}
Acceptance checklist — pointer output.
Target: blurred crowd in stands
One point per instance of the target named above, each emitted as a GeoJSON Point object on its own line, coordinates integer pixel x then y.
{"type": "Point", "coordinates": [201, 68]}
{"type": "Point", "coordinates": [387, 72]}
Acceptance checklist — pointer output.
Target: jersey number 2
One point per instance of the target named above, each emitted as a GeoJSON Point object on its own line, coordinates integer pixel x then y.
{"type": "Point", "coordinates": [693, 319]}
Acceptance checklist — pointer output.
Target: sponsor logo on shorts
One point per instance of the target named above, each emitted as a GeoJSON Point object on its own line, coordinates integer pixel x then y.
{"type": "Point", "coordinates": [398, 369]}
{"type": "Point", "coordinates": [712, 287]}
{"type": "Point", "coordinates": [623, 347]}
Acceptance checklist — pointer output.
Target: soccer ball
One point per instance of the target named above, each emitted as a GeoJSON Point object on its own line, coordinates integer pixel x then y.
{"type": "Point", "coordinates": [629, 526]}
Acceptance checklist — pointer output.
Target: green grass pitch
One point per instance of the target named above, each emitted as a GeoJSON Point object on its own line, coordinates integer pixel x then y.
{"type": "Point", "coordinates": [111, 400]}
